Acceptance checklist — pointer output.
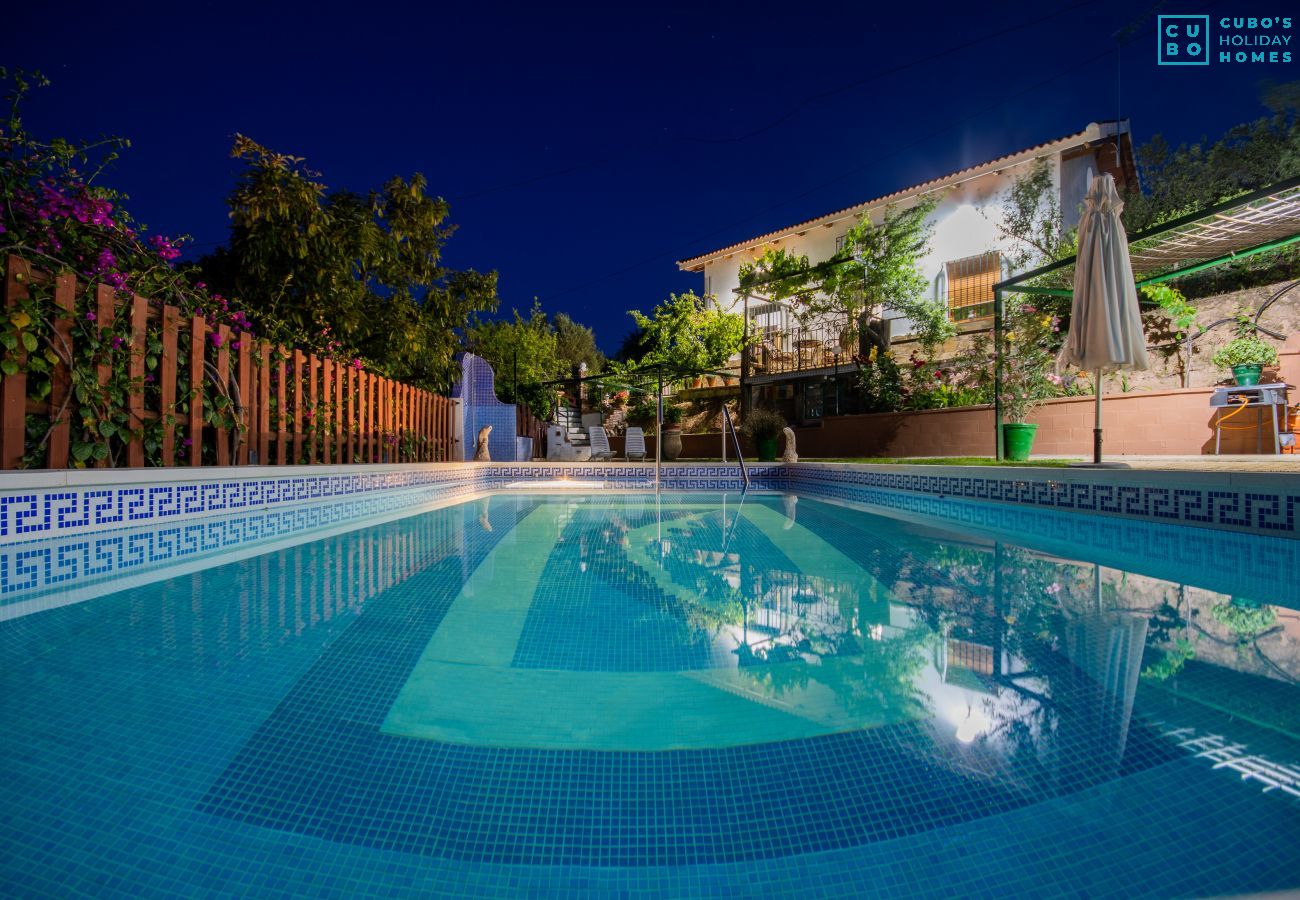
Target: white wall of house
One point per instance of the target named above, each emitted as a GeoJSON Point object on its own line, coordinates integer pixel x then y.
{"type": "Point", "coordinates": [964, 222]}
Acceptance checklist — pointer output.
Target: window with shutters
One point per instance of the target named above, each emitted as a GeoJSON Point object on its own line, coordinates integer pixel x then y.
{"type": "Point", "coordinates": [969, 285]}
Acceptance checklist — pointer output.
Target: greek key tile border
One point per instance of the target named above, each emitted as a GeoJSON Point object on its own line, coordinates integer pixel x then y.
{"type": "Point", "coordinates": [1217, 505]}
{"type": "Point", "coordinates": [67, 561]}
{"type": "Point", "coordinates": [43, 513]}
{"type": "Point", "coordinates": [49, 512]}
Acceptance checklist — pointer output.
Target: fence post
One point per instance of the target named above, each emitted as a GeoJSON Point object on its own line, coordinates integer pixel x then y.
{"type": "Point", "coordinates": [171, 317]}
{"type": "Point", "coordinates": [247, 397]}
{"type": "Point", "coordinates": [338, 412]}
{"type": "Point", "coordinates": [281, 410]}
{"type": "Point", "coordinates": [349, 413]}
{"type": "Point", "coordinates": [135, 402]}
{"type": "Point", "coordinates": [314, 407]}
{"type": "Point", "coordinates": [223, 379]}
{"type": "Point", "coordinates": [299, 360]}
{"type": "Point", "coordinates": [198, 374]}
{"type": "Point", "coordinates": [325, 414]}
{"type": "Point", "coordinates": [263, 403]}
{"type": "Point", "coordinates": [13, 395]}
{"type": "Point", "coordinates": [59, 443]}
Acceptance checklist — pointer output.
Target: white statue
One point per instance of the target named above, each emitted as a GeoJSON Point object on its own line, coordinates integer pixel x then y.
{"type": "Point", "coordinates": [481, 451]}
{"type": "Point", "coordinates": [789, 456]}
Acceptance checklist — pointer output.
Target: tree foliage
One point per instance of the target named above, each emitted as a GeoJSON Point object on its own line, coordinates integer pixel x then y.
{"type": "Point", "coordinates": [523, 352]}
{"type": "Point", "coordinates": [878, 267]}
{"type": "Point", "coordinates": [1182, 179]}
{"type": "Point", "coordinates": [1252, 155]}
{"type": "Point", "coordinates": [1031, 226]}
{"type": "Point", "coordinates": [575, 344]}
{"type": "Point", "coordinates": [683, 333]}
{"type": "Point", "coordinates": [361, 269]}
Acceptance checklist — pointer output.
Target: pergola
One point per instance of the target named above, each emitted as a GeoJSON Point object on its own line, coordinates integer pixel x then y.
{"type": "Point", "coordinates": [1256, 222]}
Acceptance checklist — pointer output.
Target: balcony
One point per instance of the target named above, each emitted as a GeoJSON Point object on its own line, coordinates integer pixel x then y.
{"type": "Point", "coordinates": [804, 348]}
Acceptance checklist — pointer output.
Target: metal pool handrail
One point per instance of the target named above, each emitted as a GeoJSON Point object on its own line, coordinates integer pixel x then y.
{"type": "Point", "coordinates": [728, 425]}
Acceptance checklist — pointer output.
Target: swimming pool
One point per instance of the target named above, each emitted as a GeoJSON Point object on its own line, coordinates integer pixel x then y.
{"type": "Point", "coordinates": [673, 693]}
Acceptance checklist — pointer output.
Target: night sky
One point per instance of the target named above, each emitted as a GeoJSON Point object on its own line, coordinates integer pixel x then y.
{"type": "Point", "coordinates": [584, 149]}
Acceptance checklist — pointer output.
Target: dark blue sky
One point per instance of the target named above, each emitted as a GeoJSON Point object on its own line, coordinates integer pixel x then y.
{"type": "Point", "coordinates": [674, 127]}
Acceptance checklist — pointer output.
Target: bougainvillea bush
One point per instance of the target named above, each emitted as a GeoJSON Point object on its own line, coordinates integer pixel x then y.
{"type": "Point", "coordinates": [59, 218]}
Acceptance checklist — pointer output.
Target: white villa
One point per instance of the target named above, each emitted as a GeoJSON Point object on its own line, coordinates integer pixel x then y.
{"type": "Point", "coordinates": [798, 365]}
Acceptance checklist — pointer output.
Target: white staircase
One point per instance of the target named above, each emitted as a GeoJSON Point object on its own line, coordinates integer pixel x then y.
{"type": "Point", "coordinates": [567, 418]}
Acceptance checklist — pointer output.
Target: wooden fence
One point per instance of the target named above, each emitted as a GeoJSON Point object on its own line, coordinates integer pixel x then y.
{"type": "Point", "coordinates": [528, 425]}
{"type": "Point", "coordinates": [279, 406]}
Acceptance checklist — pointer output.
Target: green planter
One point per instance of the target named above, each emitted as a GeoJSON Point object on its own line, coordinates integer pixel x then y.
{"type": "Point", "coordinates": [1247, 375]}
{"type": "Point", "coordinates": [1017, 440]}
{"type": "Point", "coordinates": [767, 450]}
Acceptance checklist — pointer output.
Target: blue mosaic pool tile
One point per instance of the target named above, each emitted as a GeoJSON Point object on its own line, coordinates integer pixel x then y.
{"type": "Point", "coordinates": [219, 733]}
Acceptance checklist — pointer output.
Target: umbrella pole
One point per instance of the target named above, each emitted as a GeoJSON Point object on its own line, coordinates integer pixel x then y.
{"type": "Point", "coordinates": [1096, 429]}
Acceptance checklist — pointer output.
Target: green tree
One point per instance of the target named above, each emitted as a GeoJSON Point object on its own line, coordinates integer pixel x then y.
{"type": "Point", "coordinates": [682, 333]}
{"type": "Point", "coordinates": [576, 344]}
{"type": "Point", "coordinates": [1182, 179]}
{"type": "Point", "coordinates": [524, 354]}
{"type": "Point", "coordinates": [1252, 155]}
{"type": "Point", "coordinates": [360, 270]}
{"type": "Point", "coordinates": [877, 267]}
{"type": "Point", "coordinates": [1031, 224]}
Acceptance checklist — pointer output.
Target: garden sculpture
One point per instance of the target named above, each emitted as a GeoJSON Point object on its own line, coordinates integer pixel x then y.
{"type": "Point", "coordinates": [790, 456]}
{"type": "Point", "coordinates": [481, 452]}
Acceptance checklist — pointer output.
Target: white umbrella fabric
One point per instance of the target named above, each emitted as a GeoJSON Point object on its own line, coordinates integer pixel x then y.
{"type": "Point", "coordinates": [1105, 324]}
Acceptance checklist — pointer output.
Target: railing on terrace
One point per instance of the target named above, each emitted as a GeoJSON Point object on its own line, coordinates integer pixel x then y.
{"type": "Point", "coordinates": [256, 403]}
{"type": "Point", "coordinates": [804, 348]}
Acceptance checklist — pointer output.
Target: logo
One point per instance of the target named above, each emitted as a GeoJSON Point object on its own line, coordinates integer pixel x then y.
{"type": "Point", "coordinates": [1183, 41]}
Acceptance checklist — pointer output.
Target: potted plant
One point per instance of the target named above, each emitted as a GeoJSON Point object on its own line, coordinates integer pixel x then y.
{"type": "Point", "coordinates": [762, 427]}
{"type": "Point", "coordinates": [672, 432]}
{"type": "Point", "coordinates": [1028, 360]}
{"type": "Point", "coordinates": [1245, 355]}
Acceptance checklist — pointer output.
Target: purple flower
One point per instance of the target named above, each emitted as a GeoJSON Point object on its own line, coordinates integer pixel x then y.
{"type": "Point", "coordinates": [165, 247]}
{"type": "Point", "coordinates": [216, 338]}
{"type": "Point", "coordinates": [117, 342]}
{"type": "Point", "coordinates": [90, 317]}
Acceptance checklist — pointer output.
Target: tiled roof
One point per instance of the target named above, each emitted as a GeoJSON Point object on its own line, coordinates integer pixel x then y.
{"type": "Point", "coordinates": [1092, 132]}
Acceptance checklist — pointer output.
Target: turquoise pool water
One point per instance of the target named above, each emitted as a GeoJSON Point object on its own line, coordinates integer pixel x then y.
{"type": "Point", "coordinates": [674, 694]}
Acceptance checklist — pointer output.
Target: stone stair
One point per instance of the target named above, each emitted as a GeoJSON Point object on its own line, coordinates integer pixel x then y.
{"type": "Point", "coordinates": [567, 418]}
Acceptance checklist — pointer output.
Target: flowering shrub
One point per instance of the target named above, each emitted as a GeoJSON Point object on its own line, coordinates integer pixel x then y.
{"type": "Point", "coordinates": [58, 218]}
{"type": "Point", "coordinates": [1031, 338]}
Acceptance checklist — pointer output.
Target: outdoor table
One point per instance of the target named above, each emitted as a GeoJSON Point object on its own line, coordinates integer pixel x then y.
{"type": "Point", "coordinates": [1270, 397]}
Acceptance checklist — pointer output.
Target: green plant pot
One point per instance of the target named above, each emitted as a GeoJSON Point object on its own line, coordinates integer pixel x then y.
{"type": "Point", "coordinates": [1247, 375]}
{"type": "Point", "coordinates": [767, 450]}
{"type": "Point", "coordinates": [1017, 440]}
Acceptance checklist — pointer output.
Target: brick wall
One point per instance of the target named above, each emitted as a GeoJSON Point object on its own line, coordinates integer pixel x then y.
{"type": "Point", "coordinates": [1170, 422]}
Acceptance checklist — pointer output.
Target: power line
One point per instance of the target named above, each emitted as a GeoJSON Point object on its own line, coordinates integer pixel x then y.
{"type": "Point", "coordinates": [631, 149]}
{"type": "Point", "coordinates": [1124, 37]}
{"type": "Point", "coordinates": [685, 248]}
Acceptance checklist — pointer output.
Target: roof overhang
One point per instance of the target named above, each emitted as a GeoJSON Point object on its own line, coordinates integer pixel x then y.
{"type": "Point", "coordinates": [1094, 133]}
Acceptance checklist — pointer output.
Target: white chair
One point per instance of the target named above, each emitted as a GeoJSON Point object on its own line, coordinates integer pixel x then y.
{"type": "Point", "coordinates": [635, 444]}
{"type": "Point", "coordinates": [599, 443]}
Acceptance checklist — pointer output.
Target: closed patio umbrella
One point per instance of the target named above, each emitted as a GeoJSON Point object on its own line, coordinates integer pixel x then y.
{"type": "Point", "coordinates": [1105, 325]}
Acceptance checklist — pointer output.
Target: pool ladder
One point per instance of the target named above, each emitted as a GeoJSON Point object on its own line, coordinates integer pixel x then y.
{"type": "Point", "coordinates": [730, 426]}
